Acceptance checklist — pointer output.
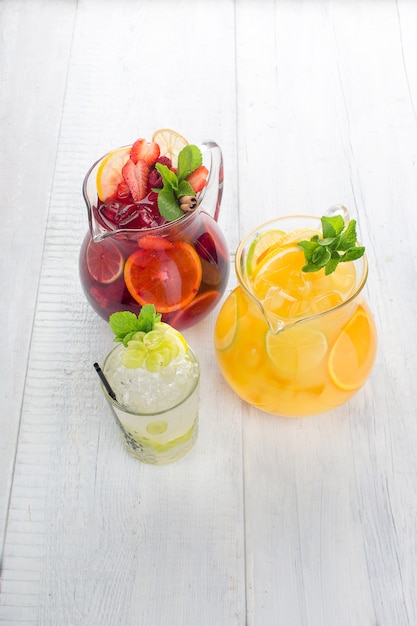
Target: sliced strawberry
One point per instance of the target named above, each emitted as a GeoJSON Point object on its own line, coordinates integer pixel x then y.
{"type": "Point", "coordinates": [136, 177]}
{"type": "Point", "coordinates": [148, 151]}
{"type": "Point", "coordinates": [154, 242]}
{"type": "Point", "coordinates": [123, 191]}
{"type": "Point", "coordinates": [198, 178]}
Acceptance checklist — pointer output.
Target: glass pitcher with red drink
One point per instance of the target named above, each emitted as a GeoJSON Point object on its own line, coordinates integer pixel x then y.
{"type": "Point", "coordinates": [153, 233]}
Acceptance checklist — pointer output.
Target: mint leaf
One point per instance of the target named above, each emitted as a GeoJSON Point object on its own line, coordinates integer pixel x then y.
{"type": "Point", "coordinates": [353, 253]}
{"type": "Point", "coordinates": [174, 185]}
{"type": "Point", "coordinates": [147, 318]}
{"type": "Point", "coordinates": [122, 323]}
{"type": "Point", "coordinates": [337, 245]}
{"type": "Point", "coordinates": [125, 324]}
{"type": "Point", "coordinates": [185, 189]}
{"type": "Point", "coordinates": [126, 338]}
{"type": "Point", "coordinates": [332, 226]}
{"type": "Point", "coordinates": [189, 159]}
{"type": "Point", "coordinates": [169, 178]}
{"type": "Point", "coordinates": [310, 267]}
{"type": "Point", "coordinates": [330, 242]}
{"type": "Point", "coordinates": [168, 204]}
{"type": "Point", "coordinates": [321, 256]}
{"type": "Point", "coordinates": [332, 263]}
{"type": "Point", "coordinates": [348, 238]}
{"type": "Point", "coordinates": [309, 247]}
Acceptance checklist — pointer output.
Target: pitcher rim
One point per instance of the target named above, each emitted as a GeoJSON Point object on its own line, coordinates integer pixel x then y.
{"type": "Point", "coordinates": [295, 320]}
{"type": "Point", "coordinates": [108, 231]}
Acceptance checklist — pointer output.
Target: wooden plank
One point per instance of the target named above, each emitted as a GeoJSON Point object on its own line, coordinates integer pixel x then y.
{"type": "Point", "coordinates": [268, 521]}
{"type": "Point", "coordinates": [32, 89]}
{"type": "Point", "coordinates": [96, 536]}
{"type": "Point", "coordinates": [326, 103]}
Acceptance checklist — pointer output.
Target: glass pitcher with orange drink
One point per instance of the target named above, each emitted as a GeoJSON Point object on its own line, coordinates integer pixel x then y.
{"type": "Point", "coordinates": [296, 337]}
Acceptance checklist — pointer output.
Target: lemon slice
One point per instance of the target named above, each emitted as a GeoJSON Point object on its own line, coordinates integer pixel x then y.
{"type": "Point", "coordinates": [170, 143]}
{"type": "Point", "coordinates": [173, 336]}
{"type": "Point", "coordinates": [109, 173]}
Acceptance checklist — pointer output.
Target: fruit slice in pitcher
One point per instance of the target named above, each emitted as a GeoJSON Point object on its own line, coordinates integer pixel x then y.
{"type": "Point", "coordinates": [261, 245]}
{"type": "Point", "coordinates": [296, 353]}
{"type": "Point", "coordinates": [227, 321]}
{"type": "Point", "coordinates": [198, 306]}
{"type": "Point", "coordinates": [170, 143]}
{"type": "Point", "coordinates": [169, 277]}
{"type": "Point", "coordinates": [104, 261]}
{"type": "Point", "coordinates": [109, 174]}
{"type": "Point", "coordinates": [351, 353]}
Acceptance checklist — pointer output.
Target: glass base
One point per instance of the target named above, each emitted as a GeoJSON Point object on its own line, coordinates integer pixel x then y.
{"type": "Point", "coordinates": [149, 451]}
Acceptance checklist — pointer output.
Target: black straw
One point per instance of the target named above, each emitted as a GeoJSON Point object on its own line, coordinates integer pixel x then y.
{"type": "Point", "coordinates": [105, 381]}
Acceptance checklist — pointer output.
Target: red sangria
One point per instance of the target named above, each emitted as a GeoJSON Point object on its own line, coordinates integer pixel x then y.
{"type": "Point", "coordinates": [154, 237]}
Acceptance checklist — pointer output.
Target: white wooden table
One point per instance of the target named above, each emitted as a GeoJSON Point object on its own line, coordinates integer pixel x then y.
{"type": "Point", "coordinates": [269, 521]}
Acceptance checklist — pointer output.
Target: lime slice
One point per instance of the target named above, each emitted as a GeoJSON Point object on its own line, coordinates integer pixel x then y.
{"type": "Point", "coordinates": [296, 352]}
{"type": "Point", "coordinates": [261, 243]}
{"type": "Point", "coordinates": [157, 428]}
{"type": "Point", "coordinates": [104, 261]}
{"type": "Point", "coordinates": [226, 325]}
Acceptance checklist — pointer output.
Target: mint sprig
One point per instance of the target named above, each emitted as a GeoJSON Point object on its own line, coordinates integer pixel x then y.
{"type": "Point", "coordinates": [338, 245]}
{"type": "Point", "coordinates": [174, 184]}
{"type": "Point", "coordinates": [125, 324]}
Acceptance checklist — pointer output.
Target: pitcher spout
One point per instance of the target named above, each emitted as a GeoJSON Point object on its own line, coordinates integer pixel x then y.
{"type": "Point", "coordinates": [116, 217]}
{"type": "Point", "coordinates": [276, 324]}
{"type": "Point", "coordinates": [98, 231]}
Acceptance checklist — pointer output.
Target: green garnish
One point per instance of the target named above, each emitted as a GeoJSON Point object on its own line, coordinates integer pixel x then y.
{"type": "Point", "coordinates": [174, 184]}
{"type": "Point", "coordinates": [337, 245]}
{"type": "Point", "coordinates": [125, 324]}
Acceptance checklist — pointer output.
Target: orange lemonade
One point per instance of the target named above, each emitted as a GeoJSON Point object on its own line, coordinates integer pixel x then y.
{"type": "Point", "coordinates": [292, 342]}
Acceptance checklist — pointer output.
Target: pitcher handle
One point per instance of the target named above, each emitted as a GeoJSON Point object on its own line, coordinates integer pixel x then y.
{"type": "Point", "coordinates": [338, 209]}
{"type": "Point", "coordinates": [211, 196]}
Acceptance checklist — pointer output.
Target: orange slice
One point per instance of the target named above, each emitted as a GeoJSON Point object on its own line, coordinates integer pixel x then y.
{"type": "Point", "coordinates": [169, 277]}
{"type": "Point", "coordinates": [276, 269]}
{"type": "Point", "coordinates": [109, 173]}
{"type": "Point", "coordinates": [199, 306]}
{"type": "Point", "coordinates": [170, 143]}
{"type": "Point", "coordinates": [104, 261]}
{"type": "Point", "coordinates": [351, 356]}
{"type": "Point", "coordinates": [286, 240]}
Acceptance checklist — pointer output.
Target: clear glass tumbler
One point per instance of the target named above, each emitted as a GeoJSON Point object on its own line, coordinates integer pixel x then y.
{"type": "Point", "coordinates": [163, 434]}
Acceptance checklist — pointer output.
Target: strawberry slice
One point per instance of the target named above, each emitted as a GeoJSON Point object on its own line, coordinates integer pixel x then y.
{"type": "Point", "coordinates": [123, 191]}
{"type": "Point", "coordinates": [198, 178]}
{"type": "Point", "coordinates": [148, 151]}
{"type": "Point", "coordinates": [154, 242]}
{"type": "Point", "coordinates": [136, 177]}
